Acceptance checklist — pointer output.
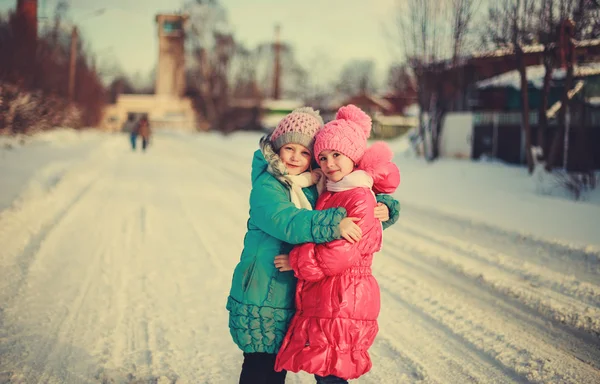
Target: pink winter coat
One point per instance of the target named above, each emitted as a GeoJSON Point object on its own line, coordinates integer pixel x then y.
{"type": "Point", "coordinates": [337, 297]}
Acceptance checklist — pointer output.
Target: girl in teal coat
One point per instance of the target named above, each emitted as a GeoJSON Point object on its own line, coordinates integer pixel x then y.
{"type": "Point", "coordinates": [261, 299]}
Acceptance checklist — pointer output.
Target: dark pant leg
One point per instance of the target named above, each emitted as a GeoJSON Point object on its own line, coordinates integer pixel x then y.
{"type": "Point", "coordinates": [275, 377]}
{"type": "Point", "coordinates": [133, 139]}
{"type": "Point", "coordinates": [330, 380]}
{"type": "Point", "coordinates": [144, 143]}
{"type": "Point", "coordinates": [258, 368]}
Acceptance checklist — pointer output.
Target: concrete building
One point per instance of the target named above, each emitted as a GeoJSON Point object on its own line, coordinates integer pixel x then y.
{"type": "Point", "coordinates": [170, 75]}
{"type": "Point", "coordinates": [166, 108]}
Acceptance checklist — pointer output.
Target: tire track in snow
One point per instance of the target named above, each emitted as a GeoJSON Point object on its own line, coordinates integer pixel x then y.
{"type": "Point", "coordinates": [24, 227]}
{"type": "Point", "coordinates": [537, 275]}
{"type": "Point", "coordinates": [64, 331]}
{"type": "Point", "coordinates": [27, 255]}
{"type": "Point", "coordinates": [400, 320]}
{"type": "Point", "coordinates": [210, 230]}
{"type": "Point", "coordinates": [579, 344]}
{"type": "Point", "coordinates": [558, 307]}
{"type": "Point", "coordinates": [140, 355]}
{"type": "Point", "coordinates": [186, 333]}
{"type": "Point", "coordinates": [46, 362]}
{"type": "Point", "coordinates": [582, 263]}
{"type": "Point", "coordinates": [52, 355]}
{"type": "Point", "coordinates": [467, 316]}
{"type": "Point", "coordinates": [391, 362]}
{"type": "Point", "coordinates": [123, 354]}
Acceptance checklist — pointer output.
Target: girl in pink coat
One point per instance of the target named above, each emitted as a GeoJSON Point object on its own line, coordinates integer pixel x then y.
{"type": "Point", "coordinates": [337, 297]}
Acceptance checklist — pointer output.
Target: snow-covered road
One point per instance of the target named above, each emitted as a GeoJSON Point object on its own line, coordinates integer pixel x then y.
{"type": "Point", "coordinates": [119, 272]}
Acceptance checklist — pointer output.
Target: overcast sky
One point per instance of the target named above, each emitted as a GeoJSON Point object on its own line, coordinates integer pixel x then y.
{"type": "Point", "coordinates": [332, 31]}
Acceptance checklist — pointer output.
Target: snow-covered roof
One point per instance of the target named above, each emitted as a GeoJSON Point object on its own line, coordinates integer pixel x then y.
{"type": "Point", "coordinates": [535, 76]}
{"type": "Point", "coordinates": [397, 120]}
{"type": "Point", "coordinates": [283, 104]}
{"type": "Point", "coordinates": [509, 50]}
{"type": "Point", "coordinates": [412, 110]}
{"type": "Point", "coordinates": [383, 103]}
{"type": "Point", "coordinates": [587, 43]}
{"type": "Point", "coordinates": [271, 120]}
{"type": "Point", "coordinates": [551, 112]}
{"type": "Point", "coordinates": [594, 100]}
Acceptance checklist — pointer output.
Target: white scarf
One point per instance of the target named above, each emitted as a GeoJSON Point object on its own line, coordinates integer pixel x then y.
{"type": "Point", "coordinates": [298, 182]}
{"type": "Point", "coordinates": [354, 180]}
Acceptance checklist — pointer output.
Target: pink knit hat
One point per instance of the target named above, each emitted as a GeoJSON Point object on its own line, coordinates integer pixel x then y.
{"type": "Point", "coordinates": [347, 134]}
{"type": "Point", "coordinates": [298, 127]}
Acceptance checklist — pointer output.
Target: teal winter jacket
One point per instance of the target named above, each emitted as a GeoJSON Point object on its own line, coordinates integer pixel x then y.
{"type": "Point", "coordinates": [261, 299]}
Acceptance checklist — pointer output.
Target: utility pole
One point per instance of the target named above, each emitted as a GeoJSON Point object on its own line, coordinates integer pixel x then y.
{"type": "Point", "coordinates": [277, 69]}
{"type": "Point", "coordinates": [72, 63]}
{"type": "Point", "coordinates": [27, 35]}
{"type": "Point", "coordinates": [28, 10]}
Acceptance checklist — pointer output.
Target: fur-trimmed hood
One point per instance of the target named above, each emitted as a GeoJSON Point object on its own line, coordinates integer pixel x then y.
{"type": "Point", "coordinates": [271, 161]}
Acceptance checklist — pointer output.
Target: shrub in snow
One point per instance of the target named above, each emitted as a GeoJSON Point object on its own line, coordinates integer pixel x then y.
{"type": "Point", "coordinates": [576, 184]}
{"type": "Point", "coordinates": [28, 112]}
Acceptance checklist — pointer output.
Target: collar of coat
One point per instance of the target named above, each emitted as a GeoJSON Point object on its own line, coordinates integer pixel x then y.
{"type": "Point", "coordinates": [275, 166]}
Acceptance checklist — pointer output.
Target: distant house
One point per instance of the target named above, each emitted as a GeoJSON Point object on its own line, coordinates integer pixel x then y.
{"type": "Point", "coordinates": [497, 121]}
{"type": "Point", "coordinates": [371, 104]}
{"type": "Point", "coordinates": [386, 112]}
{"type": "Point", "coordinates": [257, 114]}
{"type": "Point", "coordinates": [456, 83]}
{"type": "Point", "coordinates": [487, 86]}
{"type": "Point", "coordinates": [272, 111]}
{"type": "Point", "coordinates": [388, 126]}
{"type": "Point", "coordinates": [402, 100]}
{"type": "Point", "coordinates": [503, 92]}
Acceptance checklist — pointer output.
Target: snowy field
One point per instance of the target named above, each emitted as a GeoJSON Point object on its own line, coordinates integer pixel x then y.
{"type": "Point", "coordinates": [115, 267]}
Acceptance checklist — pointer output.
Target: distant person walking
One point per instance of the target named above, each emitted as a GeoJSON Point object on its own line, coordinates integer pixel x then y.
{"type": "Point", "coordinates": [131, 126]}
{"type": "Point", "coordinates": [143, 130]}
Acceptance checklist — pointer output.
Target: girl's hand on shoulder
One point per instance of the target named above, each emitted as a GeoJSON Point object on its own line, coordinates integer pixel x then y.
{"type": "Point", "coordinates": [350, 230]}
{"type": "Point", "coordinates": [317, 175]}
{"type": "Point", "coordinates": [282, 262]}
{"type": "Point", "coordinates": [319, 179]}
{"type": "Point", "coordinates": [382, 212]}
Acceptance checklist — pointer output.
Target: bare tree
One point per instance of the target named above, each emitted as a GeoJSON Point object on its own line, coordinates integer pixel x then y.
{"type": "Point", "coordinates": [516, 28]}
{"type": "Point", "coordinates": [34, 68]}
{"type": "Point", "coordinates": [317, 89]}
{"type": "Point", "coordinates": [576, 19]}
{"type": "Point", "coordinates": [243, 74]}
{"type": "Point", "coordinates": [211, 46]}
{"type": "Point", "coordinates": [292, 76]}
{"type": "Point", "coordinates": [421, 25]}
{"type": "Point", "coordinates": [432, 32]}
{"type": "Point", "coordinates": [521, 28]}
{"type": "Point", "coordinates": [462, 13]}
{"type": "Point", "coordinates": [356, 77]}
{"type": "Point", "coordinates": [121, 84]}
{"type": "Point", "coordinates": [399, 79]}
{"type": "Point", "coordinates": [547, 37]}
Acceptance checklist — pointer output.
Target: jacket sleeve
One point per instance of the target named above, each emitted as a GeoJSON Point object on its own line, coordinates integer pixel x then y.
{"type": "Point", "coordinates": [273, 212]}
{"type": "Point", "coordinates": [393, 206]}
{"type": "Point", "coordinates": [312, 262]}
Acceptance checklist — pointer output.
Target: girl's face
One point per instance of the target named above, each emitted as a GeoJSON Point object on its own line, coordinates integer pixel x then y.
{"type": "Point", "coordinates": [335, 165]}
{"type": "Point", "coordinates": [296, 158]}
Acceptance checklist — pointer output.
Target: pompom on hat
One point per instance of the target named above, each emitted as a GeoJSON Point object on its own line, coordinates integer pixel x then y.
{"type": "Point", "coordinates": [347, 134]}
{"type": "Point", "coordinates": [298, 127]}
